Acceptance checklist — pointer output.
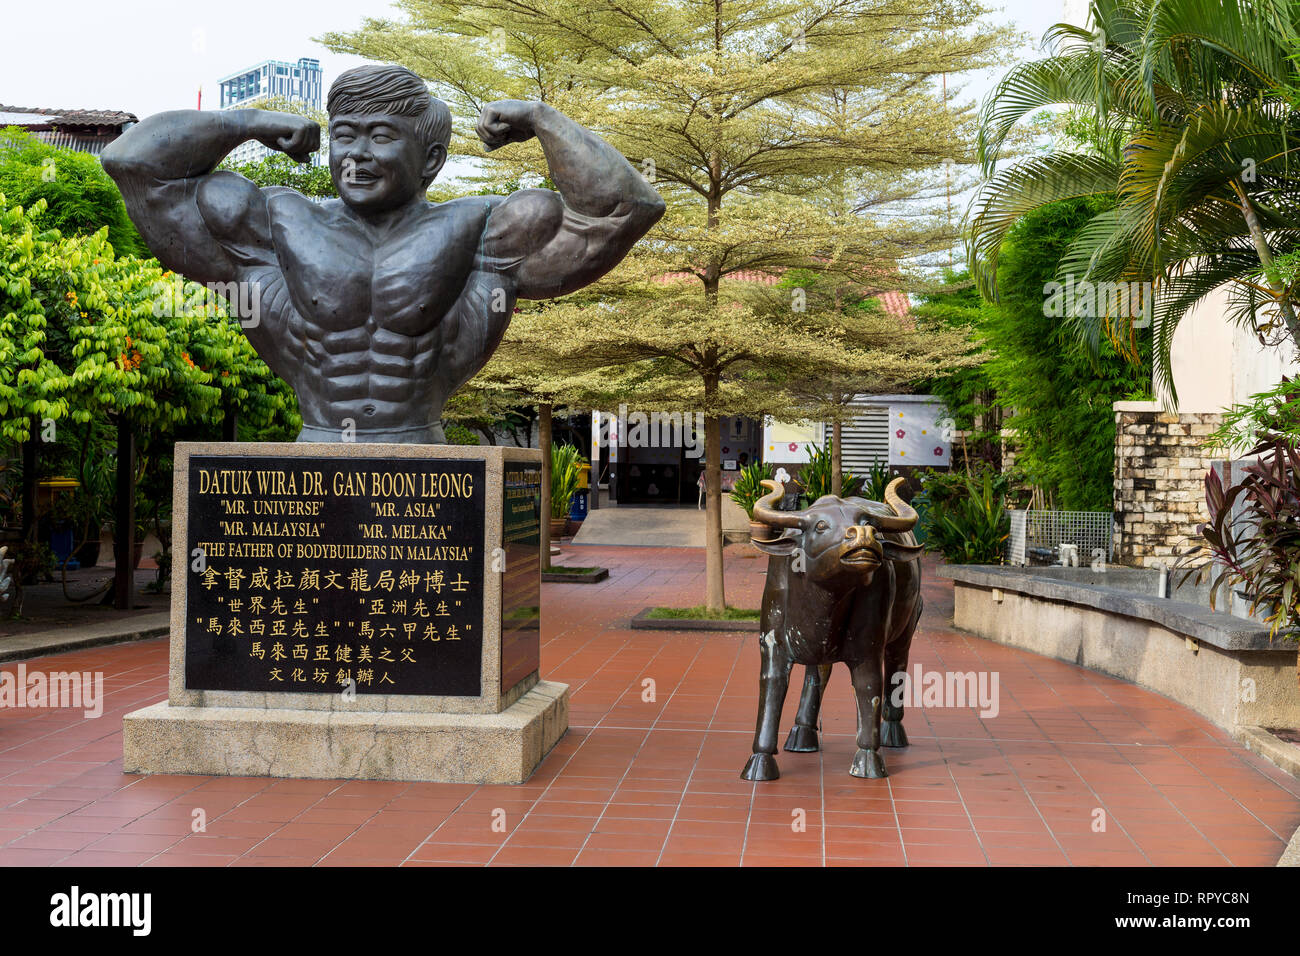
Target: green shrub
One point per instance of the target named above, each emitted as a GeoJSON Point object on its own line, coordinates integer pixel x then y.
{"type": "Point", "coordinates": [816, 476]}
{"type": "Point", "coordinates": [964, 517]}
{"type": "Point", "coordinates": [460, 435]}
{"type": "Point", "coordinates": [876, 481]}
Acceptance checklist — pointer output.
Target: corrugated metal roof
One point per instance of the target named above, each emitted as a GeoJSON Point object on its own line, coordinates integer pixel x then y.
{"type": "Point", "coordinates": [32, 116]}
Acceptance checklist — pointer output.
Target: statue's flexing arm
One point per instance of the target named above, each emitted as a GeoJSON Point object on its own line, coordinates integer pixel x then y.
{"type": "Point", "coordinates": [567, 239]}
{"type": "Point", "coordinates": [165, 168]}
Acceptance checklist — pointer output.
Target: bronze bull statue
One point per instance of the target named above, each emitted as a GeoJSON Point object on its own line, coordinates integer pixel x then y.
{"type": "Point", "coordinates": [843, 584]}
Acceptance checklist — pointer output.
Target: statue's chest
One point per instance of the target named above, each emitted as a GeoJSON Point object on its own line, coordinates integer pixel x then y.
{"type": "Point", "coordinates": [338, 275]}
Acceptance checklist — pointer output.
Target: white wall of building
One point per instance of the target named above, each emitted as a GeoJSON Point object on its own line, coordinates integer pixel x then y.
{"type": "Point", "coordinates": [1218, 363]}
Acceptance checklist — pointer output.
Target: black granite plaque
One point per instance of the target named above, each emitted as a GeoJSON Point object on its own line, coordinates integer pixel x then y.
{"type": "Point", "coordinates": [521, 583]}
{"type": "Point", "coordinates": [322, 575]}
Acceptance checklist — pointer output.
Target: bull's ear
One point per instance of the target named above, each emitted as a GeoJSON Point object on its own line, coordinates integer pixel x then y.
{"type": "Point", "coordinates": [900, 552]}
{"type": "Point", "coordinates": [779, 547]}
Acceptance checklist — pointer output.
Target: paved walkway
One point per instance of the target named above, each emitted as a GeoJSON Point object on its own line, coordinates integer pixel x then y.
{"type": "Point", "coordinates": [1077, 768]}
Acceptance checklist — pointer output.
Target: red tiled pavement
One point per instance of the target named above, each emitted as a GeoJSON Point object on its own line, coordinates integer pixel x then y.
{"type": "Point", "coordinates": [1077, 768]}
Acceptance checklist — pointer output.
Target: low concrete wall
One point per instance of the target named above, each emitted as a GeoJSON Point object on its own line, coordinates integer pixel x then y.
{"type": "Point", "coordinates": [1221, 666]}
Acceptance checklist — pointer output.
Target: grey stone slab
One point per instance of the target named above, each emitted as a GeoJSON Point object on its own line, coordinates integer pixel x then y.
{"type": "Point", "coordinates": [1224, 631]}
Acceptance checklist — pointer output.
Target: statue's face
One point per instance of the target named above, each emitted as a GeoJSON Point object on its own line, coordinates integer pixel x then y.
{"type": "Point", "coordinates": [377, 160]}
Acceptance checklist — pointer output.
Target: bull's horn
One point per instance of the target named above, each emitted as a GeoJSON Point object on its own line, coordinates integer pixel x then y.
{"type": "Point", "coordinates": [907, 516]}
{"type": "Point", "coordinates": [765, 512]}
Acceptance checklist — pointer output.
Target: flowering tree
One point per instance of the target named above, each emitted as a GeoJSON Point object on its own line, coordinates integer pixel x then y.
{"type": "Point", "coordinates": [85, 336]}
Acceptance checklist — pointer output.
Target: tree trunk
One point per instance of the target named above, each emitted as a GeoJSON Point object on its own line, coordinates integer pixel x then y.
{"type": "Point", "coordinates": [1266, 261]}
{"type": "Point", "coordinates": [124, 539]}
{"type": "Point", "coordinates": [544, 439]}
{"type": "Point", "coordinates": [230, 423]}
{"type": "Point", "coordinates": [714, 597]}
{"type": "Point", "coordinates": [837, 464]}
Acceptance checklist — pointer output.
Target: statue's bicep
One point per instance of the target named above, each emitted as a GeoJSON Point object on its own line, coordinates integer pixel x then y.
{"type": "Point", "coordinates": [234, 214]}
{"type": "Point", "coordinates": [523, 225]}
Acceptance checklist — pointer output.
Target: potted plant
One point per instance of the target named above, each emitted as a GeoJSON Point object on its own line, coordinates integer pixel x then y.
{"type": "Point", "coordinates": [747, 490]}
{"type": "Point", "coordinates": [565, 464]}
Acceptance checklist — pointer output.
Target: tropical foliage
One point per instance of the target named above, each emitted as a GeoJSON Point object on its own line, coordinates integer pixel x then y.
{"type": "Point", "coordinates": [964, 517]}
{"type": "Point", "coordinates": [80, 198]}
{"type": "Point", "coordinates": [89, 339]}
{"type": "Point", "coordinates": [815, 477]}
{"type": "Point", "coordinates": [1190, 156]}
{"type": "Point", "coordinates": [566, 462]}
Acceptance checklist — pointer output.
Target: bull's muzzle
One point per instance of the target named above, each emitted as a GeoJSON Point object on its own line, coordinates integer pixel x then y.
{"type": "Point", "coordinates": [861, 547]}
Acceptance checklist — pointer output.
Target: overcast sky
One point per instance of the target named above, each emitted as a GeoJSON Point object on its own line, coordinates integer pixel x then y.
{"type": "Point", "coordinates": [144, 56]}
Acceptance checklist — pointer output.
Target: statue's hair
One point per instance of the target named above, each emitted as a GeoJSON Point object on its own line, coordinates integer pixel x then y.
{"type": "Point", "coordinates": [378, 88]}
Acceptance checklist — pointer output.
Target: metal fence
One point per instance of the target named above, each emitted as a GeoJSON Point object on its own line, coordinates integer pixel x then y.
{"type": "Point", "coordinates": [1037, 537]}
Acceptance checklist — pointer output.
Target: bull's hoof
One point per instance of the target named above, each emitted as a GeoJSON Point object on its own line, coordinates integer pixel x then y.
{"type": "Point", "coordinates": [867, 763]}
{"type": "Point", "coordinates": [892, 734]}
{"type": "Point", "coordinates": [802, 740]}
{"type": "Point", "coordinates": [760, 767]}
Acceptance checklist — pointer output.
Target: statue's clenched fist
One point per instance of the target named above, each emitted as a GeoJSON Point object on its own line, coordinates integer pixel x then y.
{"type": "Point", "coordinates": [288, 133]}
{"type": "Point", "coordinates": [506, 121]}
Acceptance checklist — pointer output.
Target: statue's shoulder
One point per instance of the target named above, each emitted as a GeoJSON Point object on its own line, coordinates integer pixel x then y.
{"type": "Point", "coordinates": [467, 209]}
{"type": "Point", "coordinates": [288, 207]}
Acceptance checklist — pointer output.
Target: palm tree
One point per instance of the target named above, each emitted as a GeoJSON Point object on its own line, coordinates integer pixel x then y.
{"type": "Point", "coordinates": [1190, 131]}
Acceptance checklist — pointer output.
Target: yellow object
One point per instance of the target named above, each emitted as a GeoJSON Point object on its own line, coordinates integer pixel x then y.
{"type": "Point", "coordinates": [584, 477]}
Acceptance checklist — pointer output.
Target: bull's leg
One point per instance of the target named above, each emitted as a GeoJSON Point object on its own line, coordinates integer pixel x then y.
{"type": "Point", "coordinates": [867, 681]}
{"type": "Point", "coordinates": [803, 735]}
{"type": "Point", "coordinates": [891, 724]}
{"type": "Point", "coordinates": [772, 685]}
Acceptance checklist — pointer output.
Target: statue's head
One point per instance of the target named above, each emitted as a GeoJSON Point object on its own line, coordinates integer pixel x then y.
{"type": "Point", "coordinates": [388, 136]}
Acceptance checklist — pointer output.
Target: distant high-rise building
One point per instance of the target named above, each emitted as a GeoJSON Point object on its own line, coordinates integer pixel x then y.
{"type": "Point", "coordinates": [296, 82]}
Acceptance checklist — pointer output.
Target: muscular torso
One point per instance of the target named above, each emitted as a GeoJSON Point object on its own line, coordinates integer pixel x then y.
{"type": "Point", "coordinates": [374, 329]}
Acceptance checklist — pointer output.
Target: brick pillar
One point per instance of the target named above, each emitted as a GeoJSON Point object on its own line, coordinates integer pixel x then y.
{"type": "Point", "coordinates": [1160, 466]}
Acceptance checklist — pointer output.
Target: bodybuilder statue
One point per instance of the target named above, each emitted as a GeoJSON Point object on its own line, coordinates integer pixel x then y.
{"type": "Point", "coordinates": [376, 306]}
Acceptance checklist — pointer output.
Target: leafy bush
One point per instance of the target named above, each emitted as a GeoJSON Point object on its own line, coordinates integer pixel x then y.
{"type": "Point", "coordinates": [1039, 380]}
{"type": "Point", "coordinates": [458, 434]}
{"type": "Point", "coordinates": [964, 517]}
{"type": "Point", "coordinates": [816, 476]}
{"type": "Point", "coordinates": [876, 481]}
{"type": "Point", "coordinates": [565, 462]}
{"type": "Point", "coordinates": [749, 486]}
{"type": "Point", "coordinates": [1257, 550]}
{"type": "Point", "coordinates": [80, 198]}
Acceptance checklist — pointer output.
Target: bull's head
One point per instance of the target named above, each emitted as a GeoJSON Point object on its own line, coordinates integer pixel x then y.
{"type": "Point", "coordinates": [839, 537]}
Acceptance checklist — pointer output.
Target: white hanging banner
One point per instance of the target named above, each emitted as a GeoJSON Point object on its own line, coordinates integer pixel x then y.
{"type": "Point", "coordinates": [916, 436]}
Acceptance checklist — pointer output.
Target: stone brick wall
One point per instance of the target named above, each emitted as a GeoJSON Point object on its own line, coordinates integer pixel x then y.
{"type": "Point", "coordinates": [1009, 449]}
{"type": "Point", "coordinates": [1160, 466]}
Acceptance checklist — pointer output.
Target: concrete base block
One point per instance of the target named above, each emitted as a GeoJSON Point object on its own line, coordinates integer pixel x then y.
{"type": "Point", "coordinates": [255, 742]}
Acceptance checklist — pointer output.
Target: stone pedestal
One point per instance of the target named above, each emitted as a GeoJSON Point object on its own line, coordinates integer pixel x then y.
{"type": "Point", "coordinates": [353, 611]}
